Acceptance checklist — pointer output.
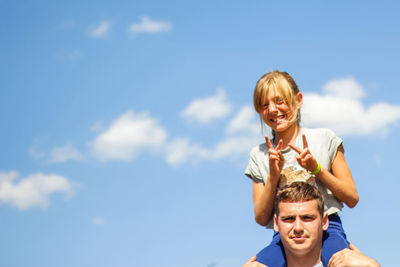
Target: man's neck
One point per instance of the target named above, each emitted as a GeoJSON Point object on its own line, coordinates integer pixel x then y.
{"type": "Point", "coordinates": [308, 260]}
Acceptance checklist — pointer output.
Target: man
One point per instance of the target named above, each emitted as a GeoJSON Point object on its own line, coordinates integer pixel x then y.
{"type": "Point", "coordinates": [300, 220]}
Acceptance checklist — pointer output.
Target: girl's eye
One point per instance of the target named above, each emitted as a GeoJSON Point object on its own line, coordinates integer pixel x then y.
{"type": "Point", "coordinates": [279, 100]}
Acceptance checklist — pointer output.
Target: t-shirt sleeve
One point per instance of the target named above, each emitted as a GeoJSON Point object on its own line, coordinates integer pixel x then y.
{"type": "Point", "coordinates": [253, 170]}
{"type": "Point", "coordinates": [334, 142]}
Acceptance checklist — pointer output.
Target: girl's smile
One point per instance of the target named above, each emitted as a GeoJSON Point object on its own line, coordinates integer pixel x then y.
{"type": "Point", "coordinates": [276, 113]}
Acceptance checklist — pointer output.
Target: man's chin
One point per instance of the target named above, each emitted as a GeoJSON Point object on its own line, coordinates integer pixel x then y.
{"type": "Point", "coordinates": [299, 246]}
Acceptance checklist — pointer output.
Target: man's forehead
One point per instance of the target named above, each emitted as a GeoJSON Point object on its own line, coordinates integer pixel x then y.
{"type": "Point", "coordinates": [300, 207]}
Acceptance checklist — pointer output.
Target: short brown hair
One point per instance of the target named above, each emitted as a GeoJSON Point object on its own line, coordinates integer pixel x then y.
{"type": "Point", "coordinates": [299, 192]}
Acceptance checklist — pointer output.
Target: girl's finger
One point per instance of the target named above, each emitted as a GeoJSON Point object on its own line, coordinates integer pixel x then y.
{"type": "Point", "coordinates": [254, 258]}
{"type": "Point", "coordinates": [295, 148]}
{"type": "Point", "coordinates": [269, 144]}
{"type": "Point", "coordinates": [307, 158]}
{"type": "Point", "coordinates": [274, 157]}
{"type": "Point", "coordinates": [352, 247]}
{"type": "Point", "coordinates": [305, 153]}
{"type": "Point", "coordinates": [278, 147]}
{"type": "Point", "coordinates": [305, 144]}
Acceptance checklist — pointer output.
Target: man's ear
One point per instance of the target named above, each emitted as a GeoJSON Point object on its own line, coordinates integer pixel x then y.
{"type": "Point", "coordinates": [299, 100]}
{"type": "Point", "coordinates": [325, 222]}
{"type": "Point", "coordinates": [276, 228]}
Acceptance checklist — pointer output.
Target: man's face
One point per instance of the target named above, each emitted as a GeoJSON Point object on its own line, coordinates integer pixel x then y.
{"type": "Point", "coordinates": [300, 226]}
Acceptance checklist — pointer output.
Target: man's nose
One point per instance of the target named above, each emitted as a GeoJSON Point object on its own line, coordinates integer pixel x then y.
{"type": "Point", "coordinates": [298, 226]}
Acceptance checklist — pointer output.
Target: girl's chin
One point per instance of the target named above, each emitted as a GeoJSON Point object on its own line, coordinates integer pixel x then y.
{"type": "Point", "coordinates": [282, 127]}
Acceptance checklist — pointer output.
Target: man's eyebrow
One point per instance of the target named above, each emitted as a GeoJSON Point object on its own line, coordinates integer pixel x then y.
{"type": "Point", "coordinates": [308, 215]}
{"type": "Point", "coordinates": [301, 215]}
{"type": "Point", "coordinates": [287, 216]}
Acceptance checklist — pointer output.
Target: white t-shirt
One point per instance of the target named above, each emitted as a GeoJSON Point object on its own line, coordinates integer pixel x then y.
{"type": "Point", "coordinates": [323, 145]}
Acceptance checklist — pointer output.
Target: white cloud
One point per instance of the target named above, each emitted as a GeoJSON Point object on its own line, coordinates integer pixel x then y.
{"type": "Point", "coordinates": [33, 190]}
{"type": "Point", "coordinates": [101, 30]}
{"type": "Point", "coordinates": [65, 153]}
{"type": "Point", "coordinates": [245, 121]}
{"type": "Point", "coordinates": [341, 109]}
{"type": "Point", "coordinates": [128, 135]}
{"type": "Point", "coordinates": [147, 25]}
{"type": "Point", "coordinates": [98, 220]}
{"type": "Point", "coordinates": [207, 109]}
{"type": "Point", "coordinates": [346, 88]}
{"type": "Point", "coordinates": [182, 150]}
{"type": "Point", "coordinates": [235, 147]}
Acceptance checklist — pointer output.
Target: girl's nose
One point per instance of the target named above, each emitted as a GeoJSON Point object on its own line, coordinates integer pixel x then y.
{"type": "Point", "coordinates": [272, 107]}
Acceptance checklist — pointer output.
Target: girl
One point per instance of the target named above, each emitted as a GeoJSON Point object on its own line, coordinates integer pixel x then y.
{"type": "Point", "coordinates": [318, 151]}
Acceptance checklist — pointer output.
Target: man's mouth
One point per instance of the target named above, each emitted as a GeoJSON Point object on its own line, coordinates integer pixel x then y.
{"type": "Point", "coordinates": [299, 239]}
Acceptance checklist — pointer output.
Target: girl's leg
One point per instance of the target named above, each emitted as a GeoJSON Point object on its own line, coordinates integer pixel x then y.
{"type": "Point", "coordinates": [273, 255]}
{"type": "Point", "coordinates": [334, 239]}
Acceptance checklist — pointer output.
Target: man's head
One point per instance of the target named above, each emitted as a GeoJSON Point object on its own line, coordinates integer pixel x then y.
{"type": "Point", "coordinates": [299, 219]}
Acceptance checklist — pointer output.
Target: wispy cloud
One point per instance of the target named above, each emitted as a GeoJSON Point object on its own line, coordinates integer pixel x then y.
{"type": "Point", "coordinates": [56, 154]}
{"type": "Point", "coordinates": [65, 153]}
{"type": "Point", "coordinates": [67, 24]}
{"type": "Point", "coordinates": [127, 136]}
{"type": "Point", "coordinates": [98, 220]}
{"type": "Point", "coordinates": [340, 108]}
{"type": "Point", "coordinates": [101, 30]}
{"type": "Point", "coordinates": [69, 56]}
{"type": "Point", "coordinates": [33, 190]}
{"type": "Point", "coordinates": [147, 25]}
{"type": "Point", "coordinates": [205, 110]}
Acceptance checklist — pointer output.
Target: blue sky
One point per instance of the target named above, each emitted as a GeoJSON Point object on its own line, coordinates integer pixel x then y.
{"type": "Point", "coordinates": [126, 125]}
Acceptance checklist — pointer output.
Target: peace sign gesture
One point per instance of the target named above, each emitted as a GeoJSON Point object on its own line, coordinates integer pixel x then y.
{"type": "Point", "coordinates": [305, 158]}
{"type": "Point", "coordinates": [276, 159]}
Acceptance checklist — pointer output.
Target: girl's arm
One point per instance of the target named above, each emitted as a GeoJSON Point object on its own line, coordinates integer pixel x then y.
{"type": "Point", "coordinates": [263, 199]}
{"type": "Point", "coordinates": [340, 181]}
{"type": "Point", "coordinates": [264, 195]}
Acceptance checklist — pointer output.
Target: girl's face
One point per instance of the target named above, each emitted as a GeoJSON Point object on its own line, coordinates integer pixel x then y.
{"type": "Point", "coordinates": [277, 114]}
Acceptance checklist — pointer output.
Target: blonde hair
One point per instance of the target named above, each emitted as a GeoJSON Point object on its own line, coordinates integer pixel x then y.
{"type": "Point", "coordinates": [283, 85]}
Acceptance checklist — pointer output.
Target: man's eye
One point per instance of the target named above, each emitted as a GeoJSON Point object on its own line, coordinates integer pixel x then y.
{"type": "Point", "coordinates": [308, 218]}
{"type": "Point", "coordinates": [288, 219]}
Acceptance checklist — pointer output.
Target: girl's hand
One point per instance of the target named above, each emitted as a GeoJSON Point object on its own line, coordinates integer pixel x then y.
{"type": "Point", "coordinates": [276, 159]}
{"type": "Point", "coordinates": [305, 158]}
{"type": "Point", "coordinates": [253, 263]}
